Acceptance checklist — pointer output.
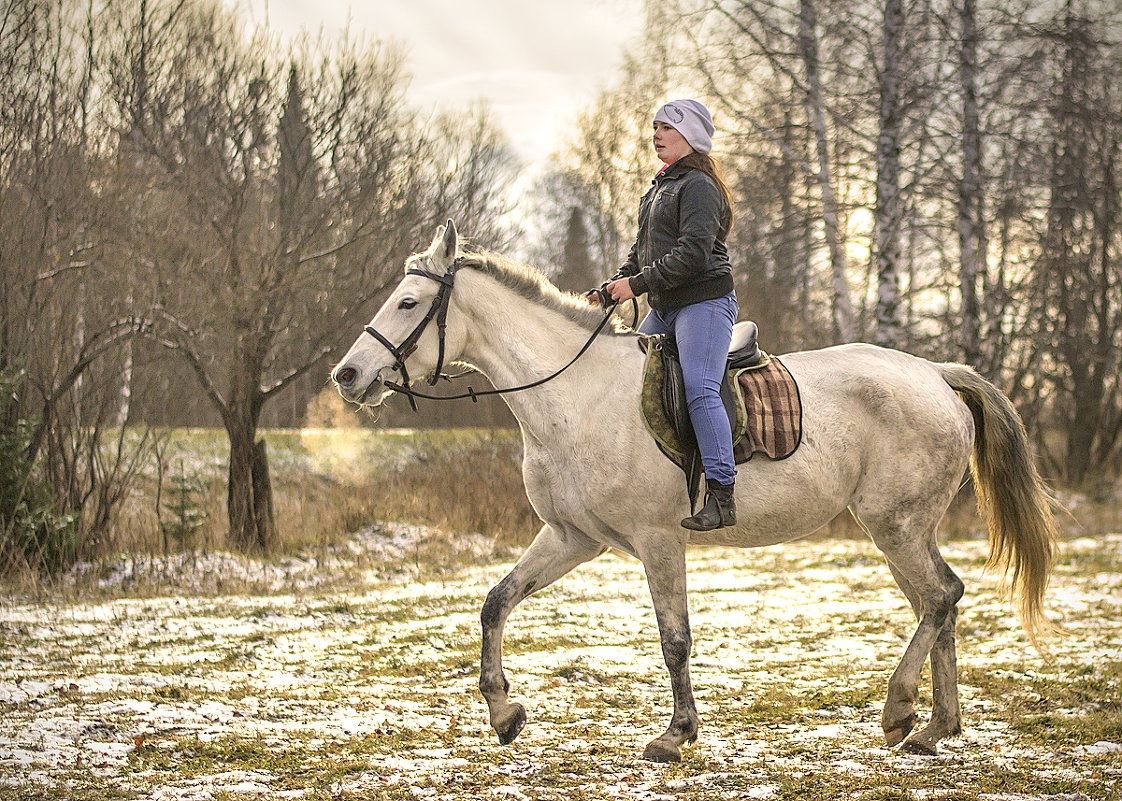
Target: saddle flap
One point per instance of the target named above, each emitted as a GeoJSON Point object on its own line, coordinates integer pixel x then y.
{"type": "Point", "coordinates": [674, 402]}
{"type": "Point", "coordinates": [762, 402]}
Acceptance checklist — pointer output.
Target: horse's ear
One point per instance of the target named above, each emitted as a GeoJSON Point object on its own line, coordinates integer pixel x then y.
{"type": "Point", "coordinates": [437, 239]}
{"type": "Point", "coordinates": [448, 244]}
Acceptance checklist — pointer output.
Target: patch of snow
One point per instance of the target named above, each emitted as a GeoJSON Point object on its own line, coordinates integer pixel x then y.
{"type": "Point", "coordinates": [1022, 797]}
{"type": "Point", "coordinates": [1101, 747]}
{"type": "Point", "coordinates": [206, 788]}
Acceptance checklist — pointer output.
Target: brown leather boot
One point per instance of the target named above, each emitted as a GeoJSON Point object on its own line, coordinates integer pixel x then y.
{"type": "Point", "coordinates": [719, 509]}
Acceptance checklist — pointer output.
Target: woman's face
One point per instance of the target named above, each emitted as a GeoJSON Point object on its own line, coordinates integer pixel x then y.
{"type": "Point", "coordinates": [669, 145]}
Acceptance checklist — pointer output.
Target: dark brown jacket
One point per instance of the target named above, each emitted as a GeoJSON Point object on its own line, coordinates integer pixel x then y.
{"type": "Point", "coordinates": [679, 256]}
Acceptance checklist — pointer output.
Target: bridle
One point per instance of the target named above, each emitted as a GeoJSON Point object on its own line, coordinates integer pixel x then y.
{"type": "Point", "coordinates": [439, 311]}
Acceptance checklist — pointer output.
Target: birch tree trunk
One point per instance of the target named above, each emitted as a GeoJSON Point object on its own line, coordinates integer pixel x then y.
{"type": "Point", "coordinates": [971, 257]}
{"type": "Point", "coordinates": [124, 398]}
{"type": "Point", "coordinates": [889, 201]}
{"type": "Point", "coordinates": [845, 327]}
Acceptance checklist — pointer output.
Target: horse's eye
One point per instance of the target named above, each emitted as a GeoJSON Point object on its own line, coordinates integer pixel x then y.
{"type": "Point", "coordinates": [408, 303]}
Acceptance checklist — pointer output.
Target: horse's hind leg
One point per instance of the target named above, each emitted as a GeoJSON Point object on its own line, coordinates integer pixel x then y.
{"type": "Point", "coordinates": [946, 715]}
{"type": "Point", "coordinates": [933, 590]}
{"type": "Point", "coordinates": [551, 555]}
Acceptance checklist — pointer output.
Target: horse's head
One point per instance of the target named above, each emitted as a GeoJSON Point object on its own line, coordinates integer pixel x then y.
{"type": "Point", "coordinates": [407, 328]}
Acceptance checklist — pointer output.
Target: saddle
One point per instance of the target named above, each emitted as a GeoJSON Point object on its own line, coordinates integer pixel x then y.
{"type": "Point", "coordinates": [758, 393]}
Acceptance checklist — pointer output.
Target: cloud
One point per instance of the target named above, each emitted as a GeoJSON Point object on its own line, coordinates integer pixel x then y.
{"type": "Point", "coordinates": [536, 62]}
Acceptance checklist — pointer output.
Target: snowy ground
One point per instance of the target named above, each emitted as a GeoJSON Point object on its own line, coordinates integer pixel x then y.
{"type": "Point", "coordinates": [297, 691]}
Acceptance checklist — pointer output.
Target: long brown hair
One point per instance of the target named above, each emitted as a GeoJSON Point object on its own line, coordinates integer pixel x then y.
{"type": "Point", "coordinates": [705, 163]}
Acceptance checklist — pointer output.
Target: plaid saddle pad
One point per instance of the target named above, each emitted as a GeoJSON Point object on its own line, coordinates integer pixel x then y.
{"type": "Point", "coordinates": [768, 412]}
{"type": "Point", "coordinates": [774, 425]}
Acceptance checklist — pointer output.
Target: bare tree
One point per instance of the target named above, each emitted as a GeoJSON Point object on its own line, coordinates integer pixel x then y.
{"type": "Point", "coordinates": [760, 58]}
{"type": "Point", "coordinates": [65, 315]}
{"type": "Point", "coordinates": [1078, 271]}
{"type": "Point", "coordinates": [888, 215]}
{"type": "Point", "coordinates": [612, 157]}
{"type": "Point", "coordinates": [287, 193]}
{"type": "Point", "coordinates": [842, 304]}
{"type": "Point", "coordinates": [970, 223]}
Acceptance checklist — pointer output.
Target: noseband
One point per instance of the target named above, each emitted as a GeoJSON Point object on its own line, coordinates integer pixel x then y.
{"type": "Point", "coordinates": [439, 311]}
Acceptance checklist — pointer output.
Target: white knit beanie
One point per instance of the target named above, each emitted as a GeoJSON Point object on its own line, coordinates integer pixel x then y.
{"type": "Point", "coordinates": [691, 120]}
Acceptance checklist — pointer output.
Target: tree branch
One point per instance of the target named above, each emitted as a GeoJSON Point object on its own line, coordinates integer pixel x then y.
{"type": "Point", "coordinates": [194, 361]}
{"type": "Point", "coordinates": [278, 385]}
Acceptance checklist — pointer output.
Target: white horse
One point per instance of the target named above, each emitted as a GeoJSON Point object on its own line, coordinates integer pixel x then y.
{"type": "Point", "coordinates": [887, 435]}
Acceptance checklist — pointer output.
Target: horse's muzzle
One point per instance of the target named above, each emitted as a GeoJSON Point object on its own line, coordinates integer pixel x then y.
{"type": "Point", "coordinates": [347, 380]}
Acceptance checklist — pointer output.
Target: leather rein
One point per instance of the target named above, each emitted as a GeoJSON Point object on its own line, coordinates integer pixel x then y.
{"type": "Point", "coordinates": [439, 311]}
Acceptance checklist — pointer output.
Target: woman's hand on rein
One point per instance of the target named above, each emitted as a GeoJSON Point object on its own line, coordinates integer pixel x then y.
{"type": "Point", "coordinates": [620, 289]}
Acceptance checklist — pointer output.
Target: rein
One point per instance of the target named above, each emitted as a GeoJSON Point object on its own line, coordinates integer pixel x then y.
{"type": "Point", "coordinates": [439, 311]}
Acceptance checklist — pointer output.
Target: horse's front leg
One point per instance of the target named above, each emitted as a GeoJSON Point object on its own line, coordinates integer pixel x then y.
{"type": "Point", "coordinates": [551, 555]}
{"type": "Point", "coordinates": [665, 565]}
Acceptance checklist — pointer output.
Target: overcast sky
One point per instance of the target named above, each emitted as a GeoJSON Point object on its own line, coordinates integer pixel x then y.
{"type": "Point", "coordinates": [539, 62]}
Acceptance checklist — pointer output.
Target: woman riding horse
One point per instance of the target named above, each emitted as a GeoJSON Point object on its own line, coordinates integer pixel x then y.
{"type": "Point", "coordinates": [680, 262]}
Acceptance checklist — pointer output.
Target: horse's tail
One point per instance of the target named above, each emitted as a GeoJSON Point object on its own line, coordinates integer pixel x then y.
{"type": "Point", "coordinates": [1011, 494]}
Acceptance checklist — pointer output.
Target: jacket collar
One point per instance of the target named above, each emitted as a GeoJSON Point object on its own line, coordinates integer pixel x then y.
{"type": "Point", "coordinates": [671, 172]}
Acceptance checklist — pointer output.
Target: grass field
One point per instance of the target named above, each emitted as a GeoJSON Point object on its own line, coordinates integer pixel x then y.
{"type": "Point", "coordinates": [365, 688]}
{"type": "Point", "coordinates": [328, 484]}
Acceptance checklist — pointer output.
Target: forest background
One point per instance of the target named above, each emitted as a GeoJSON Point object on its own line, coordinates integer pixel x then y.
{"type": "Point", "coordinates": [197, 216]}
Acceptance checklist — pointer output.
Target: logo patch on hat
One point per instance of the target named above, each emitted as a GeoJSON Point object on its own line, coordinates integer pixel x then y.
{"type": "Point", "coordinates": [674, 113]}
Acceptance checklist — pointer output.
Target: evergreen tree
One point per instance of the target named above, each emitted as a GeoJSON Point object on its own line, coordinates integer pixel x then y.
{"type": "Point", "coordinates": [32, 532]}
{"type": "Point", "coordinates": [184, 507]}
{"type": "Point", "coordinates": [577, 270]}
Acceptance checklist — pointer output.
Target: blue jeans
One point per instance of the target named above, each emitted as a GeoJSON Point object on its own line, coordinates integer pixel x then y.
{"type": "Point", "coordinates": [703, 331]}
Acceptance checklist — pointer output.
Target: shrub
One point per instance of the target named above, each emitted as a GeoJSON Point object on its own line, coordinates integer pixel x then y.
{"type": "Point", "coordinates": [33, 533]}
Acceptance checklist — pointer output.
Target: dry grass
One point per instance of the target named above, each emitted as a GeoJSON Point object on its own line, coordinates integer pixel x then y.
{"type": "Point", "coordinates": [466, 480]}
{"type": "Point", "coordinates": [469, 484]}
{"type": "Point", "coordinates": [328, 485]}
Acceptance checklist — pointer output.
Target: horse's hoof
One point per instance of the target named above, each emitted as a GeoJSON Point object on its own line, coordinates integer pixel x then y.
{"type": "Point", "coordinates": [510, 726]}
{"type": "Point", "coordinates": [895, 735]}
{"type": "Point", "coordinates": [915, 745]}
{"type": "Point", "coordinates": [662, 751]}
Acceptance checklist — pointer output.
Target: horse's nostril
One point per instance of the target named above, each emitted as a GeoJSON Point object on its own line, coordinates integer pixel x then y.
{"type": "Point", "coordinates": [346, 376]}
